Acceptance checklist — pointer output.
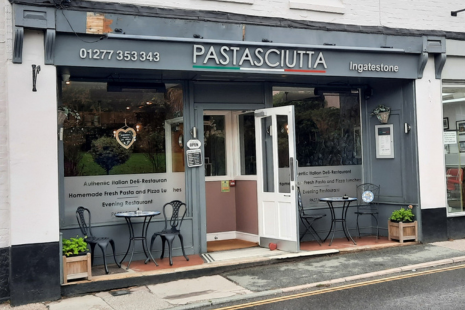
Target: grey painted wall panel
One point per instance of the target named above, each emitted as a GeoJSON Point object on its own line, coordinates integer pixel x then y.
{"type": "Point", "coordinates": [229, 93]}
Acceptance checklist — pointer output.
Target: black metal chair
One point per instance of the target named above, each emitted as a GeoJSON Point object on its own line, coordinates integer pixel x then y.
{"type": "Point", "coordinates": [308, 220]}
{"type": "Point", "coordinates": [367, 195]}
{"type": "Point", "coordinates": [178, 210]}
{"type": "Point", "coordinates": [102, 242]}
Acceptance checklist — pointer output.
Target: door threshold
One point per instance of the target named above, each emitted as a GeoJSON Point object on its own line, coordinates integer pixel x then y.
{"type": "Point", "coordinates": [259, 253]}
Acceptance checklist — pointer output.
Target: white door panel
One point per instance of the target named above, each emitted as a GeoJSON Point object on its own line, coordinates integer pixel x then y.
{"type": "Point", "coordinates": [276, 177]}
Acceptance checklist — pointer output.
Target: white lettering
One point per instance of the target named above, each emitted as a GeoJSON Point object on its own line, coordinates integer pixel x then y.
{"type": "Point", "coordinates": [287, 59]}
{"type": "Point", "coordinates": [197, 52]}
{"type": "Point", "coordinates": [320, 60]}
{"type": "Point", "coordinates": [211, 55]}
{"type": "Point", "coordinates": [267, 57]}
{"type": "Point", "coordinates": [234, 49]}
{"type": "Point", "coordinates": [257, 51]}
{"type": "Point", "coordinates": [246, 56]}
{"type": "Point", "coordinates": [223, 53]}
{"type": "Point", "coordinates": [310, 59]}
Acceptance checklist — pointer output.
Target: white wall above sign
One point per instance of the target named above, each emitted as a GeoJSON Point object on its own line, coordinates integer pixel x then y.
{"type": "Point", "coordinates": [193, 144]}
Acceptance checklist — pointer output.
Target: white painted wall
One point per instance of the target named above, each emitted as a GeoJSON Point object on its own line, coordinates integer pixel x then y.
{"type": "Point", "coordinates": [5, 36]}
{"type": "Point", "coordinates": [430, 140]}
{"type": "Point", "coordinates": [33, 147]}
{"type": "Point", "coordinates": [411, 14]}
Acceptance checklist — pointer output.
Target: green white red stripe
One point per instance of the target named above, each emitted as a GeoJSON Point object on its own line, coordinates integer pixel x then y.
{"type": "Point", "coordinates": [258, 69]}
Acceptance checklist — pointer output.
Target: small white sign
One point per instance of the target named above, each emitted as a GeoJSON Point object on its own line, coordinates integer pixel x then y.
{"type": "Point", "coordinates": [194, 144]}
{"type": "Point", "coordinates": [450, 137]}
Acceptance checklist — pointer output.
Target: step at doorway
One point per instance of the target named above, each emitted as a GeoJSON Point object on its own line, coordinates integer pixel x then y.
{"type": "Point", "coordinates": [230, 244]}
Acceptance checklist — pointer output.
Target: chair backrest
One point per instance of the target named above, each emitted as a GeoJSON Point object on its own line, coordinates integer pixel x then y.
{"type": "Point", "coordinates": [300, 202]}
{"type": "Point", "coordinates": [375, 189]}
{"type": "Point", "coordinates": [84, 225]}
{"type": "Point", "coordinates": [174, 212]}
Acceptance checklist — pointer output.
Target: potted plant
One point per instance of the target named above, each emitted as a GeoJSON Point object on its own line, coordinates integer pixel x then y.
{"type": "Point", "coordinates": [401, 225]}
{"type": "Point", "coordinates": [76, 259]}
{"type": "Point", "coordinates": [382, 113]}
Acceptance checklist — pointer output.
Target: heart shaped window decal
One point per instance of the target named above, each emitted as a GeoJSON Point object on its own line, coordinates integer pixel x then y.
{"type": "Point", "coordinates": [125, 137]}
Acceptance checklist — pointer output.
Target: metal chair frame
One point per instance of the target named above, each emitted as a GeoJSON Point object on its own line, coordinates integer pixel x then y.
{"type": "Point", "coordinates": [168, 234]}
{"type": "Point", "coordinates": [308, 220]}
{"type": "Point", "coordinates": [102, 242]}
{"type": "Point", "coordinates": [370, 208]}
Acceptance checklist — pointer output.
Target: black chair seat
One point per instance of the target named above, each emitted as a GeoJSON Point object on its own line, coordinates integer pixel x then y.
{"type": "Point", "coordinates": [313, 216]}
{"type": "Point", "coordinates": [366, 212]}
{"type": "Point", "coordinates": [102, 242]}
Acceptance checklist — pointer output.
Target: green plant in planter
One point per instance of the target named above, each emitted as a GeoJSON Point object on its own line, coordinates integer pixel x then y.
{"type": "Point", "coordinates": [74, 246]}
{"type": "Point", "coordinates": [402, 215]}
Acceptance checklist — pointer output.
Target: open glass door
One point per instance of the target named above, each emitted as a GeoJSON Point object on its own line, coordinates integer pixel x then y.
{"type": "Point", "coordinates": [276, 178]}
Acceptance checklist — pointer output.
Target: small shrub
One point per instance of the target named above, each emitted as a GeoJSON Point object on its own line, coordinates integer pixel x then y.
{"type": "Point", "coordinates": [402, 215]}
{"type": "Point", "coordinates": [74, 246]}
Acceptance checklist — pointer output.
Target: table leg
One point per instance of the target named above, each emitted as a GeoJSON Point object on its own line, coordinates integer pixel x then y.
{"type": "Point", "coordinates": [131, 239]}
{"type": "Point", "coordinates": [344, 223]}
{"type": "Point", "coordinates": [333, 217]}
{"type": "Point", "coordinates": [144, 242]}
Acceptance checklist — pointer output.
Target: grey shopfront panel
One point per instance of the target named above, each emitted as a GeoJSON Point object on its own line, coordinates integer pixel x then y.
{"type": "Point", "coordinates": [155, 53]}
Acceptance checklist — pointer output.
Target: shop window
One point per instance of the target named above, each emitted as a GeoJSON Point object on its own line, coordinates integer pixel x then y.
{"type": "Point", "coordinates": [248, 160]}
{"type": "Point", "coordinates": [122, 151]}
{"type": "Point", "coordinates": [453, 100]}
{"type": "Point", "coordinates": [328, 141]}
{"type": "Point", "coordinates": [215, 145]}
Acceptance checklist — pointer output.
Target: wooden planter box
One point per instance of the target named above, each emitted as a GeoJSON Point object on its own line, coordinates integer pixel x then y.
{"type": "Point", "coordinates": [77, 267]}
{"type": "Point", "coordinates": [402, 231]}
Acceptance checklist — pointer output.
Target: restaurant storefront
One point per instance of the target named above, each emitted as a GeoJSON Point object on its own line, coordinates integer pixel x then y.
{"type": "Point", "coordinates": [272, 109]}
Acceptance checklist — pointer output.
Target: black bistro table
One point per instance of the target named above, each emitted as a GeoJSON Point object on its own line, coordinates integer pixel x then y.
{"type": "Point", "coordinates": [346, 202]}
{"type": "Point", "coordinates": [147, 215]}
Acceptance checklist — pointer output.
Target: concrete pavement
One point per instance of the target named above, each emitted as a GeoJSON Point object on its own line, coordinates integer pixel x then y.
{"type": "Point", "coordinates": [284, 277]}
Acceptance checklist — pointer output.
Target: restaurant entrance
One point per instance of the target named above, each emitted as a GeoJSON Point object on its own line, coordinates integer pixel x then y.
{"type": "Point", "coordinates": [250, 175]}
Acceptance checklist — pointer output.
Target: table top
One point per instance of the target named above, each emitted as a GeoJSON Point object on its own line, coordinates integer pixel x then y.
{"type": "Point", "coordinates": [137, 214]}
{"type": "Point", "coordinates": [338, 199]}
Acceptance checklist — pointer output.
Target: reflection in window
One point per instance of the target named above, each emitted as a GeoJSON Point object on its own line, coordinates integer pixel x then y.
{"type": "Point", "coordinates": [247, 144]}
{"type": "Point", "coordinates": [453, 100]}
{"type": "Point", "coordinates": [327, 126]}
{"type": "Point", "coordinates": [328, 142]}
{"type": "Point", "coordinates": [90, 144]}
{"type": "Point", "coordinates": [215, 145]}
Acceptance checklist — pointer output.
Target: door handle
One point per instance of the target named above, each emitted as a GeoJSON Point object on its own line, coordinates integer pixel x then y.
{"type": "Point", "coordinates": [291, 166]}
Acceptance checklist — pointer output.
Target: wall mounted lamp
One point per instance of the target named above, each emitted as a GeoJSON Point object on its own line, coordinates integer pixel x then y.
{"type": "Point", "coordinates": [454, 13]}
{"type": "Point", "coordinates": [65, 77]}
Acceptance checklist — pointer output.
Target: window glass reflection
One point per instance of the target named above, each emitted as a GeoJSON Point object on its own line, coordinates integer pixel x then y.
{"type": "Point", "coordinates": [453, 100]}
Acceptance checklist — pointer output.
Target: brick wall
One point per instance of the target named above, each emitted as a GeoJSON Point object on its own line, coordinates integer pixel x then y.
{"type": "Point", "coordinates": [5, 44]}
{"type": "Point", "coordinates": [412, 14]}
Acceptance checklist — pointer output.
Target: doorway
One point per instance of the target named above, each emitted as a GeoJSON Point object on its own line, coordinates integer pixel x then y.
{"type": "Point", "coordinates": [250, 175]}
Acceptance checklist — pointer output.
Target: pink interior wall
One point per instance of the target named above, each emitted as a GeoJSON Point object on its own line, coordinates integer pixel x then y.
{"type": "Point", "coordinates": [221, 208]}
{"type": "Point", "coordinates": [246, 207]}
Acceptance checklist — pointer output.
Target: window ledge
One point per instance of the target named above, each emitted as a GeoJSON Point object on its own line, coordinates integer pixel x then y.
{"type": "Point", "coordinates": [330, 6]}
{"type": "Point", "coordinates": [234, 1]}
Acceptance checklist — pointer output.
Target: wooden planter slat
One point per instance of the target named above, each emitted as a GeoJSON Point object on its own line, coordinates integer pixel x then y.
{"type": "Point", "coordinates": [402, 231]}
{"type": "Point", "coordinates": [77, 267]}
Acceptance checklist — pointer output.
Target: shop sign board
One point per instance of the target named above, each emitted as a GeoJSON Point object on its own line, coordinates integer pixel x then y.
{"type": "Point", "coordinates": [108, 194]}
{"type": "Point", "coordinates": [172, 54]}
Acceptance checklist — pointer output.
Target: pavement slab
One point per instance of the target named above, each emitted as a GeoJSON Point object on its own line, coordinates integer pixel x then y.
{"type": "Point", "coordinates": [326, 268]}
{"type": "Point", "coordinates": [139, 298]}
{"type": "Point", "coordinates": [88, 302]}
{"type": "Point", "coordinates": [36, 306]}
{"type": "Point", "coordinates": [194, 290]}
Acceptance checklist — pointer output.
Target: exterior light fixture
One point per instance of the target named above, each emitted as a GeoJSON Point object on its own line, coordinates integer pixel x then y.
{"type": "Point", "coordinates": [454, 13]}
{"type": "Point", "coordinates": [65, 77]}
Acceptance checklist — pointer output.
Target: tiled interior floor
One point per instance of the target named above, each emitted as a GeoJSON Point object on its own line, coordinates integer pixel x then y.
{"type": "Point", "coordinates": [340, 244]}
